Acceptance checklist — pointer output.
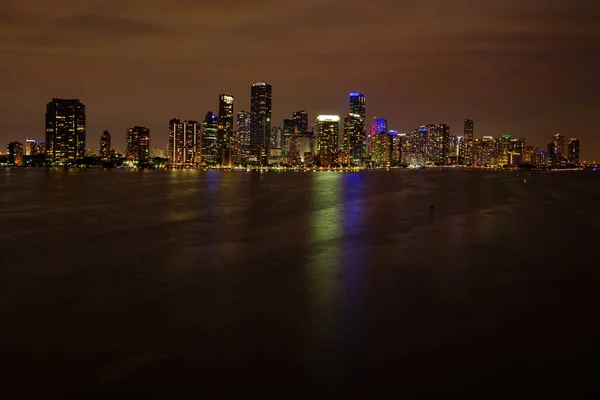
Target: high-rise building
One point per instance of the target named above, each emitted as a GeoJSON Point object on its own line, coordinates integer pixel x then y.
{"type": "Point", "coordinates": [30, 147]}
{"type": "Point", "coordinates": [243, 128]}
{"type": "Point", "coordinates": [379, 125]}
{"type": "Point", "coordinates": [288, 131]}
{"type": "Point", "coordinates": [15, 153]}
{"type": "Point", "coordinates": [260, 121]}
{"type": "Point", "coordinates": [301, 120]}
{"type": "Point", "coordinates": [242, 138]}
{"type": "Point", "coordinates": [105, 146]}
{"type": "Point", "coordinates": [184, 143]}
{"type": "Point", "coordinates": [466, 143]}
{"type": "Point", "coordinates": [210, 148]}
{"type": "Point", "coordinates": [353, 142]}
{"type": "Point", "coordinates": [138, 144]}
{"type": "Point", "coordinates": [381, 148]}
{"type": "Point", "coordinates": [559, 145]}
{"type": "Point", "coordinates": [438, 143]}
{"type": "Point", "coordinates": [225, 133]}
{"type": "Point", "coordinates": [573, 154]}
{"type": "Point", "coordinates": [40, 148]}
{"type": "Point", "coordinates": [358, 105]}
{"type": "Point", "coordinates": [65, 130]}
{"type": "Point", "coordinates": [328, 133]}
{"type": "Point", "coordinates": [276, 137]}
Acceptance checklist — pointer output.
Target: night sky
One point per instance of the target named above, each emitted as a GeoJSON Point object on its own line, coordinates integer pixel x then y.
{"type": "Point", "coordinates": [528, 68]}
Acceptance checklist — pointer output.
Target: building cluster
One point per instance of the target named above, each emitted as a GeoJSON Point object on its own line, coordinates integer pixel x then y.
{"type": "Point", "coordinates": [248, 138]}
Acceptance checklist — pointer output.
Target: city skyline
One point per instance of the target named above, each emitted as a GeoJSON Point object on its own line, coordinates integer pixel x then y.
{"type": "Point", "coordinates": [515, 67]}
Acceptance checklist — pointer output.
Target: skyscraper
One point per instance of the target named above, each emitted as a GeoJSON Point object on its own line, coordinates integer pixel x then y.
{"type": "Point", "coordinates": [105, 146]}
{"type": "Point", "coordinates": [260, 121]}
{"type": "Point", "coordinates": [225, 133]}
{"type": "Point", "coordinates": [210, 149]}
{"type": "Point", "coordinates": [559, 145]}
{"type": "Point", "coordinates": [379, 125]}
{"type": "Point", "coordinates": [184, 143]}
{"type": "Point", "coordinates": [243, 128]}
{"type": "Point", "coordinates": [15, 154]}
{"type": "Point", "coordinates": [466, 143]}
{"type": "Point", "coordinates": [328, 133]}
{"type": "Point", "coordinates": [65, 130]}
{"type": "Point", "coordinates": [290, 127]}
{"type": "Point", "coordinates": [301, 120]}
{"type": "Point", "coordinates": [242, 140]}
{"type": "Point", "coordinates": [438, 143]}
{"type": "Point", "coordinates": [30, 147]}
{"type": "Point", "coordinates": [138, 144]}
{"type": "Point", "coordinates": [573, 154]}
{"type": "Point", "coordinates": [353, 142]}
{"type": "Point", "coordinates": [358, 135]}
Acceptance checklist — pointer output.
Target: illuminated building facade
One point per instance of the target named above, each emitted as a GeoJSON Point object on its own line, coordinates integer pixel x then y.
{"type": "Point", "coordinates": [65, 130]}
{"type": "Point", "coordinates": [573, 152]}
{"type": "Point", "coordinates": [138, 144]}
{"type": "Point", "coordinates": [260, 121]}
{"type": "Point", "coordinates": [157, 153]}
{"type": "Point", "coordinates": [105, 146]}
{"type": "Point", "coordinates": [300, 119]}
{"type": "Point", "coordinates": [379, 125]}
{"type": "Point", "coordinates": [466, 143]}
{"type": "Point", "coordinates": [559, 145]}
{"type": "Point", "coordinates": [328, 133]}
{"type": "Point", "coordinates": [184, 143]}
{"type": "Point", "coordinates": [210, 148]}
{"type": "Point", "coordinates": [30, 147]}
{"type": "Point", "coordinates": [381, 148]}
{"type": "Point", "coordinates": [356, 136]}
{"type": "Point", "coordinates": [225, 132]}
{"type": "Point", "coordinates": [438, 144]}
{"type": "Point", "coordinates": [288, 132]}
{"type": "Point", "coordinates": [243, 128]}
{"type": "Point", "coordinates": [15, 153]}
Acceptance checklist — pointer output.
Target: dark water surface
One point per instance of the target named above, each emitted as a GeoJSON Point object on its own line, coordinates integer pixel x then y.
{"type": "Point", "coordinates": [304, 285]}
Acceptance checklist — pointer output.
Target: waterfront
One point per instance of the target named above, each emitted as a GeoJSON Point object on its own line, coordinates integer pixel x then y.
{"type": "Point", "coordinates": [311, 284]}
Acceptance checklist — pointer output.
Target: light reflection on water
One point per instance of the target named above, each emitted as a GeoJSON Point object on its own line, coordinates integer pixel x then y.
{"type": "Point", "coordinates": [328, 278]}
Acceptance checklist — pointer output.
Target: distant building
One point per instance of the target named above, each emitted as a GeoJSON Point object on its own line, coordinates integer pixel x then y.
{"type": "Point", "coordinates": [30, 147]}
{"type": "Point", "coordinates": [241, 145]}
{"type": "Point", "coordinates": [466, 143]}
{"type": "Point", "coordinates": [300, 119]}
{"type": "Point", "coordinates": [559, 145]}
{"type": "Point", "coordinates": [225, 132]}
{"type": "Point", "coordinates": [379, 125]}
{"type": "Point", "coordinates": [328, 134]}
{"type": "Point", "coordinates": [438, 143]}
{"type": "Point", "coordinates": [210, 149]}
{"type": "Point", "coordinates": [105, 146]}
{"type": "Point", "coordinates": [354, 138]}
{"type": "Point", "coordinates": [157, 153]}
{"type": "Point", "coordinates": [243, 128]}
{"type": "Point", "coordinates": [573, 153]}
{"type": "Point", "coordinates": [15, 153]}
{"type": "Point", "coordinates": [184, 143]}
{"type": "Point", "coordinates": [40, 148]}
{"type": "Point", "coordinates": [260, 122]}
{"type": "Point", "coordinates": [138, 144]}
{"type": "Point", "coordinates": [381, 148]}
{"type": "Point", "coordinates": [65, 130]}
{"type": "Point", "coordinates": [276, 138]}
{"type": "Point", "coordinates": [289, 130]}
